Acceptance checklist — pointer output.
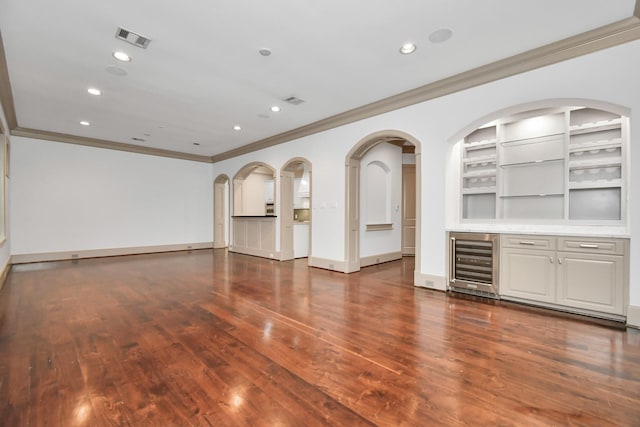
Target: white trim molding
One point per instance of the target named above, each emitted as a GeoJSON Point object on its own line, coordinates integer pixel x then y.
{"type": "Point", "coordinates": [262, 253]}
{"type": "Point", "coordinates": [328, 264]}
{"type": "Point", "coordinates": [98, 253]}
{"type": "Point", "coordinates": [633, 316]}
{"type": "Point", "coordinates": [429, 281]}
{"type": "Point", "coordinates": [379, 259]}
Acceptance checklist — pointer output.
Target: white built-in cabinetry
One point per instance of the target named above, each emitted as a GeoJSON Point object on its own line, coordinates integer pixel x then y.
{"type": "Point", "coordinates": [581, 274]}
{"type": "Point", "coordinates": [560, 165]}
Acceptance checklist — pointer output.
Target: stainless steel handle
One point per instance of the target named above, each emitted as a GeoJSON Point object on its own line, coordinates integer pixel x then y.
{"type": "Point", "coordinates": [551, 260]}
{"type": "Point", "coordinates": [586, 246]}
{"type": "Point", "coordinates": [559, 260]}
{"type": "Point", "coordinates": [527, 242]}
{"type": "Point", "coordinates": [452, 260]}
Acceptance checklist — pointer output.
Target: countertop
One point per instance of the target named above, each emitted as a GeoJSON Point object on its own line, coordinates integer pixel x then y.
{"type": "Point", "coordinates": [254, 216]}
{"type": "Point", "coordinates": [542, 229]}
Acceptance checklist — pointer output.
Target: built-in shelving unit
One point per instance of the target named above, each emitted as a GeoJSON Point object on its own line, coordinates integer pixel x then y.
{"type": "Point", "coordinates": [553, 165]}
{"type": "Point", "coordinates": [479, 172]}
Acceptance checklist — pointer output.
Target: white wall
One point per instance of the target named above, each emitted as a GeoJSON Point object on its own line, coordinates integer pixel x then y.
{"type": "Point", "coordinates": [383, 241]}
{"type": "Point", "coordinates": [609, 76]}
{"type": "Point", "coordinates": [71, 197]}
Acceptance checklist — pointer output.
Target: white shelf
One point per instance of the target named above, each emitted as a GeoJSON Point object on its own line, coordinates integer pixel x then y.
{"type": "Point", "coordinates": [592, 164]}
{"type": "Point", "coordinates": [480, 174]}
{"type": "Point", "coordinates": [533, 162]}
{"type": "Point", "coordinates": [606, 144]}
{"type": "Point", "coordinates": [600, 183]}
{"type": "Point", "coordinates": [479, 190]}
{"type": "Point", "coordinates": [596, 126]}
{"type": "Point", "coordinates": [477, 145]}
{"type": "Point", "coordinates": [484, 160]}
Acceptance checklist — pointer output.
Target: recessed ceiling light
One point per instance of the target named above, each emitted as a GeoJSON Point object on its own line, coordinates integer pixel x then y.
{"type": "Point", "coordinates": [275, 108]}
{"type": "Point", "coordinates": [121, 56]}
{"type": "Point", "coordinates": [138, 139]}
{"type": "Point", "coordinates": [441, 35]}
{"type": "Point", "coordinates": [85, 123]}
{"type": "Point", "coordinates": [237, 127]}
{"type": "Point", "coordinates": [94, 91]}
{"type": "Point", "coordinates": [196, 143]}
{"type": "Point", "coordinates": [408, 48]}
{"type": "Point", "coordinates": [265, 51]}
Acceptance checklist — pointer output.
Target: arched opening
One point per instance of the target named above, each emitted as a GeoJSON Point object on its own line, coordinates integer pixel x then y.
{"type": "Point", "coordinates": [389, 183]}
{"type": "Point", "coordinates": [295, 209]}
{"type": "Point", "coordinates": [551, 162]}
{"type": "Point", "coordinates": [254, 206]}
{"type": "Point", "coordinates": [221, 212]}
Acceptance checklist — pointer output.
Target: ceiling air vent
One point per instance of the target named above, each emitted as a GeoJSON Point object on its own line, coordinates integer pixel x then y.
{"type": "Point", "coordinates": [133, 38]}
{"type": "Point", "coordinates": [293, 100]}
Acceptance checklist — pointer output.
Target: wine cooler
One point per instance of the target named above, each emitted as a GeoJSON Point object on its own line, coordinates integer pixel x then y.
{"type": "Point", "coordinates": [474, 264]}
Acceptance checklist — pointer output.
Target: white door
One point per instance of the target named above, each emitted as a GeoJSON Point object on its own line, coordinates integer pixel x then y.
{"type": "Point", "coordinates": [219, 216]}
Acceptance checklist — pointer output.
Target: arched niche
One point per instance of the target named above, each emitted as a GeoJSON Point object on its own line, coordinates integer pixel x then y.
{"type": "Point", "coordinates": [295, 209]}
{"type": "Point", "coordinates": [550, 163]}
{"type": "Point", "coordinates": [353, 177]}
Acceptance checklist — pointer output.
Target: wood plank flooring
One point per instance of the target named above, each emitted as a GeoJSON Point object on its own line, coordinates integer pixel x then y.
{"type": "Point", "coordinates": [206, 338]}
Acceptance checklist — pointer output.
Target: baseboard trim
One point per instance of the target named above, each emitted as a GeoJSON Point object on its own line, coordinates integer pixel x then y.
{"type": "Point", "coordinates": [98, 253]}
{"type": "Point", "coordinates": [429, 281]}
{"type": "Point", "coordinates": [218, 245]}
{"type": "Point", "coordinates": [633, 316]}
{"type": "Point", "coordinates": [255, 252]}
{"type": "Point", "coordinates": [379, 259]}
{"type": "Point", "coordinates": [327, 264]}
{"type": "Point", "coordinates": [5, 273]}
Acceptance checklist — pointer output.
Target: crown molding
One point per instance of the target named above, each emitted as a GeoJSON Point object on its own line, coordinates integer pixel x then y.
{"type": "Point", "coordinates": [110, 145]}
{"type": "Point", "coordinates": [6, 96]}
{"type": "Point", "coordinates": [600, 38]}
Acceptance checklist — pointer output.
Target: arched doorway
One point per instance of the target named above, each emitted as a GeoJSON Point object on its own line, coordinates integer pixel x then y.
{"type": "Point", "coordinates": [221, 212]}
{"type": "Point", "coordinates": [353, 194]}
{"type": "Point", "coordinates": [253, 230]}
{"type": "Point", "coordinates": [295, 209]}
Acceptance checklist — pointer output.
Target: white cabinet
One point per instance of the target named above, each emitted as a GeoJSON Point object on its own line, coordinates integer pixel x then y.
{"type": "Point", "coordinates": [300, 240]}
{"type": "Point", "coordinates": [269, 191]}
{"type": "Point", "coordinates": [587, 274]}
{"type": "Point", "coordinates": [529, 274]}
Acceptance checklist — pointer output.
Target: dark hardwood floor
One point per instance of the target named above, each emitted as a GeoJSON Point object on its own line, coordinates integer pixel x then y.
{"type": "Point", "coordinates": [215, 339]}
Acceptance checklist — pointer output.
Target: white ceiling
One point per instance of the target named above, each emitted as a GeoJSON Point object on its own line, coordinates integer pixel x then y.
{"type": "Point", "coordinates": [202, 73]}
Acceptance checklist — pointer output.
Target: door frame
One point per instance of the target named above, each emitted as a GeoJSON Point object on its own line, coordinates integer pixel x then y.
{"type": "Point", "coordinates": [352, 195]}
{"type": "Point", "coordinates": [286, 205]}
{"type": "Point", "coordinates": [221, 191]}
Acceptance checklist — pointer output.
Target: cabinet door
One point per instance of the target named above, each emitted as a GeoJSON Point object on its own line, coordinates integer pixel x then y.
{"type": "Point", "coordinates": [528, 274]}
{"type": "Point", "coordinates": [591, 281]}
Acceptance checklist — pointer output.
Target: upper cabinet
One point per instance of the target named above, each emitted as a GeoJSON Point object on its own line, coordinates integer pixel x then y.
{"type": "Point", "coordinates": [560, 165]}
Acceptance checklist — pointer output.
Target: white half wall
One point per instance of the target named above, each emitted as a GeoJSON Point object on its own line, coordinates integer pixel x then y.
{"type": "Point", "coordinates": [73, 198]}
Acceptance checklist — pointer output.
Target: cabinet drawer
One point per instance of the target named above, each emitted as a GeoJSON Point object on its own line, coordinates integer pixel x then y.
{"type": "Point", "coordinates": [591, 245]}
{"type": "Point", "coordinates": [526, 241]}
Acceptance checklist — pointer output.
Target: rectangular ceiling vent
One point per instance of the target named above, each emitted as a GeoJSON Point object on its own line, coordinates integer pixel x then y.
{"type": "Point", "coordinates": [133, 38]}
{"type": "Point", "coordinates": [293, 100]}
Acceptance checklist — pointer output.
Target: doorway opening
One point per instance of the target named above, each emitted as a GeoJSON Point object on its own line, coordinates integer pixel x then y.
{"type": "Point", "coordinates": [383, 202]}
{"type": "Point", "coordinates": [295, 209]}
